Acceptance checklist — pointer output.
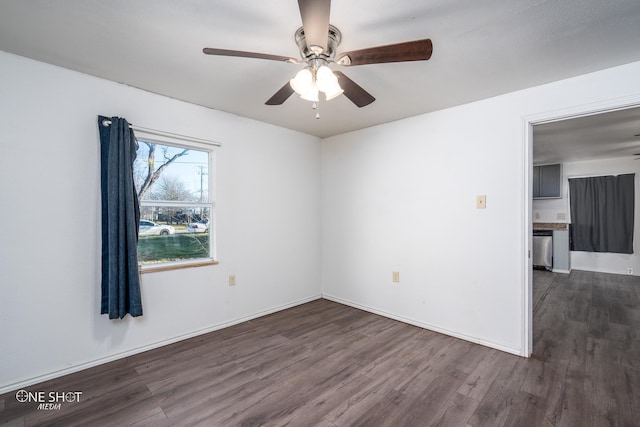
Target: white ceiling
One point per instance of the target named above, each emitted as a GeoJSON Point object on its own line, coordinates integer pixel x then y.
{"type": "Point", "coordinates": [612, 134]}
{"type": "Point", "coordinates": [481, 49]}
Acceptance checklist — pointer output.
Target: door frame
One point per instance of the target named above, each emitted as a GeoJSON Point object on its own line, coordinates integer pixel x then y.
{"type": "Point", "coordinates": [528, 122]}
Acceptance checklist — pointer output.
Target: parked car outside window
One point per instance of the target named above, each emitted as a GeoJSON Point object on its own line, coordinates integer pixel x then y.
{"type": "Point", "coordinates": [150, 228]}
{"type": "Point", "coordinates": [198, 227]}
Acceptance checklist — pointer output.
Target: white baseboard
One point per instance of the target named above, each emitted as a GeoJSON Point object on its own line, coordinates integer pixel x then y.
{"type": "Point", "coordinates": [560, 271]}
{"type": "Point", "coordinates": [92, 363]}
{"type": "Point", "coordinates": [516, 351]}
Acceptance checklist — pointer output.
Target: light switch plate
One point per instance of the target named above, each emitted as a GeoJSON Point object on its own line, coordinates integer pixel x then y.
{"type": "Point", "coordinates": [481, 202]}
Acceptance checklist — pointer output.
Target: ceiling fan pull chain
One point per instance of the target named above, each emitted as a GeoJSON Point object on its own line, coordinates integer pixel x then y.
{"type": "Point", "coordinates": [316, 106]}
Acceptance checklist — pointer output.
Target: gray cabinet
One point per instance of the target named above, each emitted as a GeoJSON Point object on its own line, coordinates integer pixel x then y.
{"type": "Point", "coordinates": [547, 180]}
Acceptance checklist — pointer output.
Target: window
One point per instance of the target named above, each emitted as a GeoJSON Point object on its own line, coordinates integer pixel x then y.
{"type": "Point", "coordinates": [174, 182]}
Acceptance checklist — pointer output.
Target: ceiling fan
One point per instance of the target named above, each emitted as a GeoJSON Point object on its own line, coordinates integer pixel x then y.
{"type": "Point", "coordinates": [318, 42]}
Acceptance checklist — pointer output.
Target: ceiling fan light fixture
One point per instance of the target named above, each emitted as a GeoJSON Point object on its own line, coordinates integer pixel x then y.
{"type": "Point", "coordinates": [304, 85]}
{"type": "Point", "coordinates": [311, 94]}
{"type": "Point", "coordinates": [324, 75]}
{"type": "Point", "coordinates": [325, 78]}
{"type": "Point", "coordinates": [330, 95]}
{"type": "Point", "coordinates": [328, 83]}
{"type": "Point", "coordinates": [308, 82]}
{"type": "Point", "coordinates": [333, 91]}
{"type": "Point", "coordinates": [302, 82]}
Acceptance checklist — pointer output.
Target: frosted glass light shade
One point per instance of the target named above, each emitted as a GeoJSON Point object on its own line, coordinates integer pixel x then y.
{"type": "Point", "coordinates": [328, 82]}
{"type": "Point", "coordinates": [311, 94]}
{"type": "Point", "coordinates": [333, 90]}
{"type": "Point", "coordinates": [325, 77]}
{"type": "Point", "coordinates": [308, 86]}
{"type": "Point", "coordinates": [302, 81]}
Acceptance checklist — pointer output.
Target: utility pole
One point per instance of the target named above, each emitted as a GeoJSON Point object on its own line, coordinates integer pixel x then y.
{"type": "Point", "coordinates": [202, 173]}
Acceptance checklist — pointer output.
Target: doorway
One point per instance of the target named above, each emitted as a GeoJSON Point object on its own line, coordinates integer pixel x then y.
{"type": "Point", "coordinates": [542, 135]}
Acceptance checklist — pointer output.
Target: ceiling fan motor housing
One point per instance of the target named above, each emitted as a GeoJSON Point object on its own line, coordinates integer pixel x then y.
{"type": "Point", "coordinates": [333, 41]}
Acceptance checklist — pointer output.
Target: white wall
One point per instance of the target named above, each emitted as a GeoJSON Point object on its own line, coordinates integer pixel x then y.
{"type": "Point", "coordinates": [401, 197]}
{"type": "Point", "coordinates": [268, 191]}
{"type": "Point", "coordinates": [592, 261]}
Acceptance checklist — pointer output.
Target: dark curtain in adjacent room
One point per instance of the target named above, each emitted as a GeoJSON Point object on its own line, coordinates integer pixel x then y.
{"type": "Point", "coordinates": [120, 220]}
{"type": "Point", "coordinates": [602, 212]}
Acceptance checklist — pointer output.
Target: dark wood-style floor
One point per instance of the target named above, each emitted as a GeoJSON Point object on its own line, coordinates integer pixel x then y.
{"type": "Point", "coordinates": [326, 364]}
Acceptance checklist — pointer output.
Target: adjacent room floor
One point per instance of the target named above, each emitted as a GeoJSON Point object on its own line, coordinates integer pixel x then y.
{"type": "Point", "coordinates": [326, 364]}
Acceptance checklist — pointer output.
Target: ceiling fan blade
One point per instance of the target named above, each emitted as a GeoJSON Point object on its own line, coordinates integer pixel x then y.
{"type": "Point", "coordinates": [417, 50]}
{"type": "Point", "coordinates": [353, 91]}
{"type": "Point", "coordinates": [281, 95]}
{"type": "Point", "coordinates": [243, 54]}
{"type": "Point", "coordinates": [315, 21]}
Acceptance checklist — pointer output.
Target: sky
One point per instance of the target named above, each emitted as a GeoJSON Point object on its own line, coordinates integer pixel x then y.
{"type": "Point", "coordinates": [187, 168]}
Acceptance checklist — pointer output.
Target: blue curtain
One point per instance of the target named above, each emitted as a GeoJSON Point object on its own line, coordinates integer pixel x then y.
{"type": "Point", "coordinates": [120, 220]}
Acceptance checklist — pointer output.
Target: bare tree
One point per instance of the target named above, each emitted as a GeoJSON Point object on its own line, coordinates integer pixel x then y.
{"type": "Point", "coordinates": [152, 174]}
{"type": "Point", "coordinates": [171, 188]}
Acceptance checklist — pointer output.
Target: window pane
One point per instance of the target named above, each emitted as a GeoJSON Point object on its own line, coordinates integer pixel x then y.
{"type": "Point", "coordinates": [164, 172]}
{"type": "Point", "coordinates": [172, 184]}
{"type": "Point", "coordinates": [173, 234]}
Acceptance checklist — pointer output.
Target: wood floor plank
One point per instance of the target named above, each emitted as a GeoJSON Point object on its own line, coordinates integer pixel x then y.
{"type": "Point", "coordinates": [480, 379]}
{"type": "Point", "coordinates": [189, 379]}
{"type": "Point", "coordinates": [527, 410]}
{"type": "Point", "coordinates": [499, 400]}
{"type": "Point", "coordinates": [456, 412]}
{"type": "Point", "coordinates": [356, 406]}
{"type": "Point", "coordinates": [279, 402]}
{"type": "Point", "coordinates": [385, 412]}
{"type": "Point", "coordinates": [541, 376]}
{"type": "Point", "coordinates": [425, 407]}
{"type": "Point", "coordinates": [315, 409]}
{"type": "Point", "coordinates": [566, 403]}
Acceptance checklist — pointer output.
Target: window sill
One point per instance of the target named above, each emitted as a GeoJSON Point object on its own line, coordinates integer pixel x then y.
{"type": "Point", "coordinates": [169, 267]}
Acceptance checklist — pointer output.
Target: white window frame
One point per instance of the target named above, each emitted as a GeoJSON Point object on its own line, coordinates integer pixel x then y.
{"type": "Point", "coordinates": [210, 147]}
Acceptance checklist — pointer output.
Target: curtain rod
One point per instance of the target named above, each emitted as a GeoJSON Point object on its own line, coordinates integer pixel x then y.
{"type": "Point", "coordinates": [167, 134]}
{"type": "Point", "coordinates": [599, 175]}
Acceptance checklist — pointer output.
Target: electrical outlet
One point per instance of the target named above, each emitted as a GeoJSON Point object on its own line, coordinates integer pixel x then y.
{"type": "Point", "coordinates": [232, 280]}
{"type": "Point", "coordinates": [561, 216]}
{"type": "Point", "coordinates": [629, 270]}
{"type": "Point", "coordinates": [395, 277]}
{"type": "Point", "coordinates": [537, 215]}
